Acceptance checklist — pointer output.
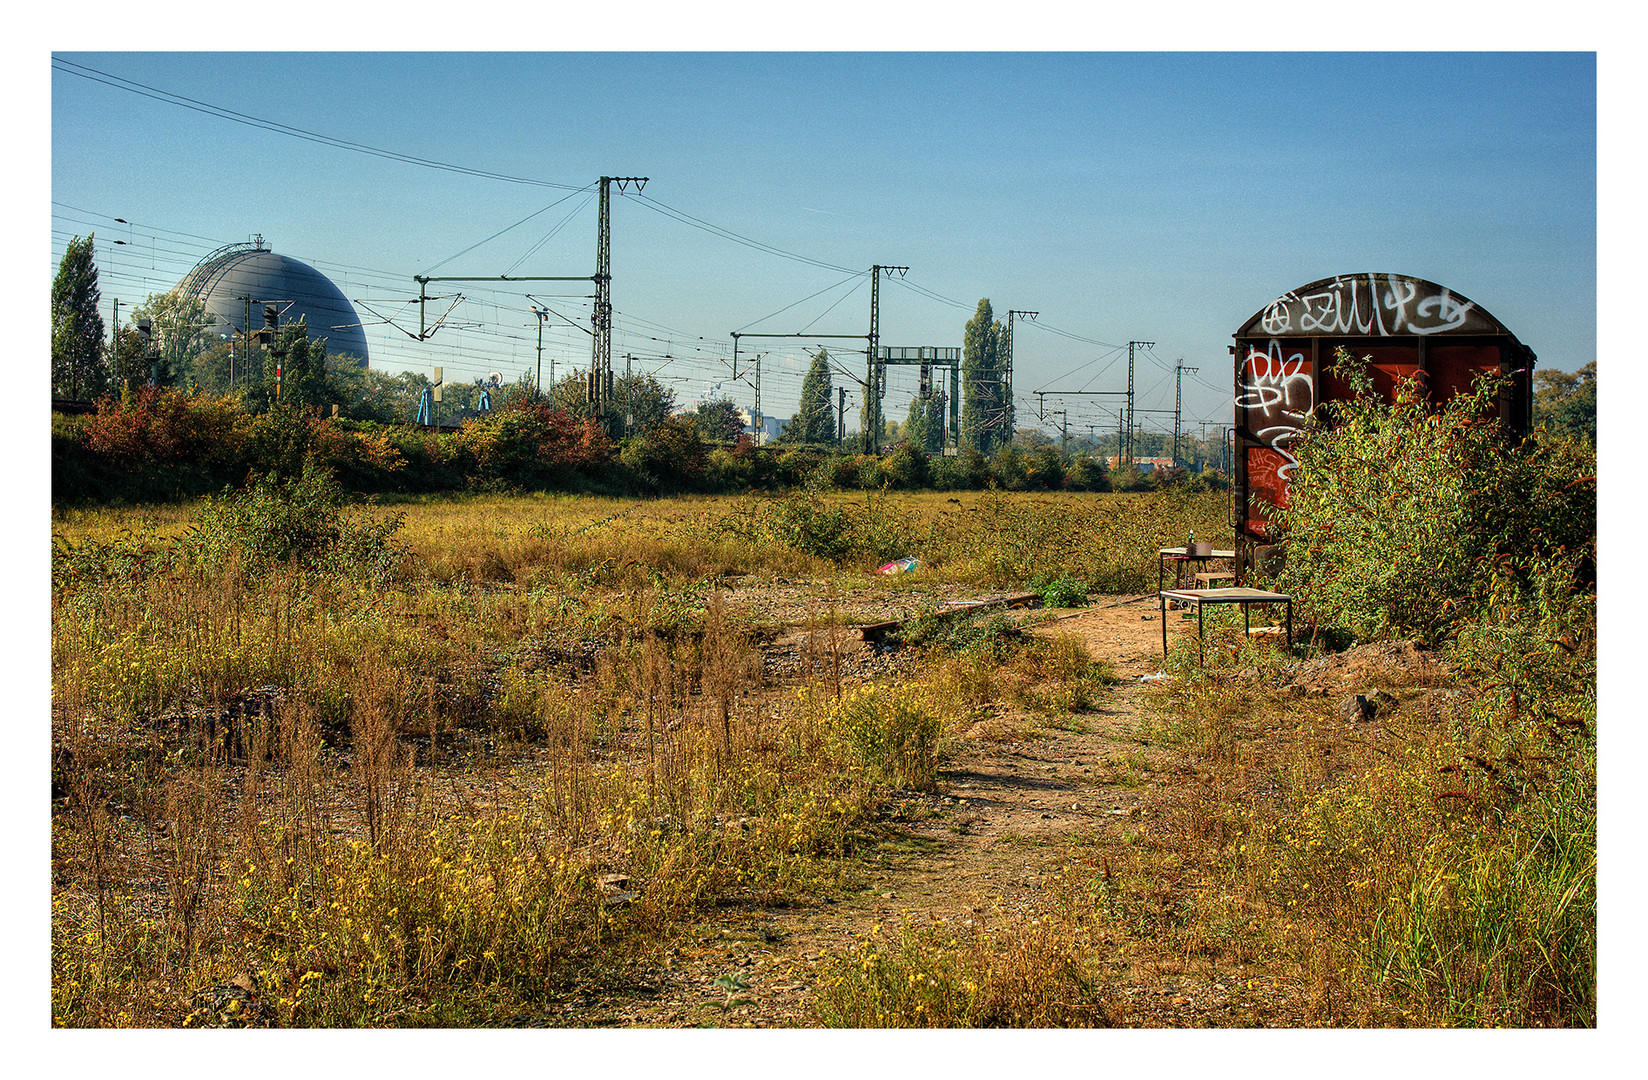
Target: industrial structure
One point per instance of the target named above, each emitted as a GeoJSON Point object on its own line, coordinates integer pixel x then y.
{"type": "Point", "coordinates": [1406, 327]}
{"type": "Point", "coordinates": [238, 281]}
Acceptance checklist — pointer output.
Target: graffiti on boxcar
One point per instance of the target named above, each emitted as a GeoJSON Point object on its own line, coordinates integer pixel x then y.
{"type": "Point", "coordinates": [1277, 394]}
{"type": "Point", "coordinates": [1268, 472]}
{"type": "Point", "coordinates": [1276, 400]}
{"type": "Point", "coordinates": [1372, 305]}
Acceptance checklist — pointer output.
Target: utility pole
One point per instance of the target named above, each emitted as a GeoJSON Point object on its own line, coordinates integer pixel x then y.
{"type": "Point", "coordinates": [246, 336]}
{"type": "Point", "coordinates": [872, 369]}
{"type": "Point", "coordinates": [601, 317]}
{"type": "Point", "coordinates": [629, 393]}
{"type": "Point", "coordinates": [539, 384]}
{"type": "Point", "coordinates": [1006, 382]}
{"type": "Point", "coordinates": [840, 414]}
{"type": "Point", "coordinates": [1178, 374]}
{"type": "Point", "coordinates": [114, 336]}
{"type": "Point", "coordinates": [1130, 424]}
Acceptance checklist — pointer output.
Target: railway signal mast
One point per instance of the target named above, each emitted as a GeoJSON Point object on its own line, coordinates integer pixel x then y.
{"type": "Point", "coordinates": [600, 368]}
{"type": "Point", "coordinates": [1178, 376]}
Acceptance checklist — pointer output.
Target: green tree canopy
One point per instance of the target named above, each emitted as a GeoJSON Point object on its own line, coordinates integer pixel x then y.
{"type": "Point", "coordinates": [301, 367]}
{"type": "Point", "coordinates": [79, 369]}
{"type": "Point", "coordinates": [128, 368]}
{"type": "Point", "coordinates": [1565, 403]}
{"type": "Point", "coordinates": [642, 398]}
{"type": "Point", "coordinates": [924, 426]}
{"type": "Point", "coordinates": [985, 420]}
{"type": "Point", "coordinates": [717, 421]}
{"type": "Point", "coordinates": [815, 421]}
{"type": "Point", "coordinates": [178, 330]}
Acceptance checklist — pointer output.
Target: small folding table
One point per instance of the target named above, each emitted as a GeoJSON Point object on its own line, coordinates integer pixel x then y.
{"type": "Point", "coordinates": [1242, 597]}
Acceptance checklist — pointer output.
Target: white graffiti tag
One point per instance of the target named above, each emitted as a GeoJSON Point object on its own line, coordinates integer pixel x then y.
{"type": "Point", "coordinates": [1277, 395]}
{"type": "Point", "coordinates": [1449, 312]}
{"type": "Point", "coordinates": [1372, 305]}
{"type": "Point", "coordinates": [1337, 310]}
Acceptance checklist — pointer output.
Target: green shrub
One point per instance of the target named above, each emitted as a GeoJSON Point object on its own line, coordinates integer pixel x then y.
{"type": "Point", "coordinates": [1400, 512]}
{"type": "Point", "coordinates": [991, 637]}
{"type": "Point", "coordinates": [1061, 590]}
{"type": "Point", "coordinates": [301, 521]}
{"type": "Point", "coordinates": [906, 469]}
{"type": "Point", "coordinates": [797, 466]}
{"type": "Point", "coordinates": [838, 471]}
{"type": "Point", "coordinates": [1007, 468]}
{"type": "Point", "coordinates": [869, 472]}
{"type": "Point", "coordinates": [530, 445]}
{"type": "Point", "coordinates": [1129, 477]}
{"type": "Point", "coordinates": [802, 521]}
{"type": "Point", "coordinates": [892, 733]}
{"type": "Point", "coordinates": [158, 426]}
{"type": "Point", "coordinates": [1044, 469]}
{"type": "Point", "coordinates": [667, 456]}
{"type": "Point", "coordinates": [1087, 474]}
{"type": "Point", "coordinates": [966, 471]}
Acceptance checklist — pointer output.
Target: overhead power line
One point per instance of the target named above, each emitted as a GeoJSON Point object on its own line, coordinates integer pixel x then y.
{"type": "Point", "coordinates": [69, 67]}
{"type": "Point", "coordinates": [727, 234]}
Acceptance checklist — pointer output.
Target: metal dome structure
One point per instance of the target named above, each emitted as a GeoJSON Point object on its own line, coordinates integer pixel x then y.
{"type": "Point", "coordinates": [238, 281]}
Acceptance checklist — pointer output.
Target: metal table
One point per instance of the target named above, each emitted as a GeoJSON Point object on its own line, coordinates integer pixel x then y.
{"type": "Point", "coordinates": [1180, 558]}
{"type": "Point", "coordinates": [1242, 597]}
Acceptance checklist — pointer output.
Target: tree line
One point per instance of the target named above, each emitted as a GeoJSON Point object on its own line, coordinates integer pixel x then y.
{"type": "Point", "coordinates": [290, 370]}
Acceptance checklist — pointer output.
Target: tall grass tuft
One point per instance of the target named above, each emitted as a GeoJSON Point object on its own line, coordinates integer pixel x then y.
{"type": "Point", "coordinates": [1022, 972]}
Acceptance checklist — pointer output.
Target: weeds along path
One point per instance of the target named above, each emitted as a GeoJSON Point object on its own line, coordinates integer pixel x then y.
{"type": "Point", "coordinates": [1021, 800]}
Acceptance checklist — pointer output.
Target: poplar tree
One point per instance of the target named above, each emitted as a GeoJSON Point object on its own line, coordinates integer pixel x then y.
{"type": "Point", "coordinates": [924, 427]}
{"type": "Point", "coordinates": [301, 364]}
{"type": "Point", "coordinates": [79, 369]}
{"type": "Point", "coordinates": [815, 423]}
{"type": "Point", "coordinates": [983, 416]}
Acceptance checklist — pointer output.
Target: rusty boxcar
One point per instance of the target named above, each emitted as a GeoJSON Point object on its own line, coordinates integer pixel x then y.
{"type": "Point", "coordinates": [1408, 327]}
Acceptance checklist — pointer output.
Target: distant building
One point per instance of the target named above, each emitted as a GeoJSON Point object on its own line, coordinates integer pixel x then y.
{"type": "Point", "coordinates": [1144, 464]}
{"type": "Point", "coordinates": [768, 430]}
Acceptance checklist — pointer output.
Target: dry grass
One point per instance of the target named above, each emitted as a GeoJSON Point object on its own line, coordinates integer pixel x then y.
{"type": "Point", "coordinates": [1376, 867]}
{"type": "Point", "coordinates": [431, 802]}
{"type": "Point", "coordinates": [546, 744]}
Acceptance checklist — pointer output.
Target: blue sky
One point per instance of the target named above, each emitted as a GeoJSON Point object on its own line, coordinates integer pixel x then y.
{"type": "Point", "coordinates": [1161, 197]}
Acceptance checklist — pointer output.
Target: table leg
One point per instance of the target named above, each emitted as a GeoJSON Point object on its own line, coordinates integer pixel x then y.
{"type": "Point", "coordinates": [1290, 624]}
{"type": "Point", "coordinates": [1163, 600]}
{"type": "Point", "coordinates": [1201, 637]}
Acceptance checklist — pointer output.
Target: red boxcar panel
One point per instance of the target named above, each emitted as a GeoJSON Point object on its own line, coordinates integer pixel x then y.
{"type": "Point", "coordinates": [1267, 484]}
{"type": "Point", "coordinates": [1455, 368]}
{"type": "Point", "coordinates": [1389, 364]}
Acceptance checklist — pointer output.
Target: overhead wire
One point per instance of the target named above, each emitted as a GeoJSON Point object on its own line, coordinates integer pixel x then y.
{"type": "Point", "coordinates": [727, 234]}
{"type": "Point", "coordinates": [179, 100]}
{"type": "Point", "coordinates": [70, 67]}
{"type": "Point", "coordinates": [523, 221]}
{"type": "Point", "coordinates": [803, 300]}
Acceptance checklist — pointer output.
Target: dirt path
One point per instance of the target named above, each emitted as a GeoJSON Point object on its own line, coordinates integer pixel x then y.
{"type": "Point", "coordinates": [1013, 809]}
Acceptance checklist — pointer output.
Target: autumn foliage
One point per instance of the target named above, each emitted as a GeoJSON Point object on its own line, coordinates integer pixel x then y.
{"type": "Point", "coordinates": [162, 442]}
